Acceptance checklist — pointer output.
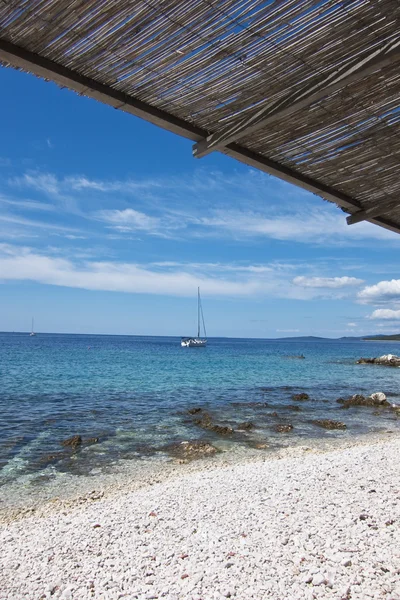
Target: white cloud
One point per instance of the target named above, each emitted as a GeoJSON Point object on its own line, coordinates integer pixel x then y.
{"type": "Point", "coordinates": [31, 205]}
{"type": "Point", "coordinates": [288, 330]}
{"type": "Point", "coordinates": [385, 314]}
{"type": "Point", "coordinates": [129, 220]}
{"type": "Point", "coordinates": [312, 225]}
{"type": "Point", "coordinates": [29, 223]}
{"type": "Point", "coordinates": [25, 264]}
{"type": "Point", "coordinates": [221, 267]}
{"type": "Point", "coordinates": [380, 293]}
{"type": "Point", "coordinates": [171, 278]}
{"type": "Point", "coordinates": [83, 183]}
{"type": "Point", "coordinates": [42, 182]}
{"type": "Point", "coordinates": [209, 204]}
{"type": "Point", "coordinates": [326, 282]}
{"type": "Point", "coordinates": [351, 324]}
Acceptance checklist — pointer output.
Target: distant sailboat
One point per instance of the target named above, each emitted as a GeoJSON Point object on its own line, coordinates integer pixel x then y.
{"type": "Point", "coordinates": [196, 342]}
{"type": "Point", "coordinates": [32, 330]}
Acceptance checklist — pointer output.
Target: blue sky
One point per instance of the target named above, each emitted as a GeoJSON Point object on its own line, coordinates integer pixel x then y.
{"type": "Point", "coordinates": [108, 225]}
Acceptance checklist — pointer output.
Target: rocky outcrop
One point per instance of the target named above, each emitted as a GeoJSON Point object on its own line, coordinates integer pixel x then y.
{"type": "Point", "coordinates": [246, 426]}
{"type": "Point", "coordinates": [283, 427]}
{"type": "Point", "coordinates": [376, 399]}
{"type": "Point", "coordinates": [329, 424]}
{"type": "Point", "coordinates": [73, 442]}
{"type": "Point", "coordinates": [90, 441]}
{"type": "Point", "coordinates": [76, 441]}
{"type": "Point", "coordinates": [195, 410]}
{"type": "Point", "coordinates": [300, 397]}
{"type": "Point", "coordinates": [191, 450]}
{"type": "Point", "coordinates": [387, 360]}
{"type": "Point", "coordinates": [220, 429]}
{"type": "Point", "coordinates": [205, 421]}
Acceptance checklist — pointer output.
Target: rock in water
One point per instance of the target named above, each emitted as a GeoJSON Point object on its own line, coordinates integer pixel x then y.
{"type": "Point", "coordinates": [300, 397]}
{"type": "Point", "coordinates": [195, 410]}
{"type": "Point", "coordinates": [205, 422]}
{"type": "Point", "coordinates": [388, 360]}
{"type": "Point", "coordinates": [294, 407]}
{"type": "Point", "coordinates": [246, 426]}
{"type": "Point", "coordinates": [283, 428]}
{"type": "Point", "coordinates": [191, 450]}
{"type": "Point", "coordinates": [93, 440]}
{"type": "Point", "coordinates": [360, 400]}
{"type": "Point", "coordinates": [221, 429]}
{"type": "Point", "coordinates": [378, 397]}
{"type": "Point", "coordinates": [72, 442]}
{"type": "Point", "coordinates": [329, 424]}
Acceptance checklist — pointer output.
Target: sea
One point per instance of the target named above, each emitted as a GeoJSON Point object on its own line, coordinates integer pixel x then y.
{"type": "Point", "coordinates": [129, 397]}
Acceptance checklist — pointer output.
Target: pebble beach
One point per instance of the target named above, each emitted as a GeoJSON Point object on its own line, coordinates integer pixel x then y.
{"type": "Point", "coordinates": [313, 525]}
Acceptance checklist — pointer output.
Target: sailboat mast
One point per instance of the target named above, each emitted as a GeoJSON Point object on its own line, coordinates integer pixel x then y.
{"type": "Point", "coordinates": [198, 312]}
{"type": "Point", "coordinates": [32, 325]}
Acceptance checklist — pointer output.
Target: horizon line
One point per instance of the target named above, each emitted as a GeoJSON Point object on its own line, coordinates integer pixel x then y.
{"type": "Point", "coordinates": [299, 337]}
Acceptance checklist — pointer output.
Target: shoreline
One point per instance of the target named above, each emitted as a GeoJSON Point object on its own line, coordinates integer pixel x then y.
{"type": "Point", "coordinates": [134, 475]}
{"type": "Point", "coordinates": [319, 524]}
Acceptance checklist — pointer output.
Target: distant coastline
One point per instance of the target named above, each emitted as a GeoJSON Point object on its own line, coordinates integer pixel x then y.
{"type": "Point", "coordinates": [306, 338]}
{"type": "Point", "coordinates": [383, 338]}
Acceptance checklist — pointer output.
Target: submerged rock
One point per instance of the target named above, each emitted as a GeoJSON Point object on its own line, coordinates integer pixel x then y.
{"type": "Point", "coordinates": [329, 424]}
{"type": "Point", "coordinates": [205, 422]}
{"type": "Point", "coordinates": [246, 426]}
{"type": "Point", "coordinates": [388, 360]}
{"type": "Point", "coordinates": [300, 397]}
{"type": "Point", "coordinates": [221, 429]}
{"type": "Point", "coordinates": [283, 427]}
{"type": "Point", "coordinates": [203, 419]}
{"type": "Point", "coordinates": [191, 450]}
{"type": "Point", "coordinates": [49, 459]}
{"type": "Point", "coordinates": [377, 399]}
{"type": "Point", "coordinates": [72, 442]}
{"type": "Point", "coordinates": [195, 410]}
{"type": "Point", "coordinates": [93, 440]}
{"type": "Point", "coordinates": [295, 407]}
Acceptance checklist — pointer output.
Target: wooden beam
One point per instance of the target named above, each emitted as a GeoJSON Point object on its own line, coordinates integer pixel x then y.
{"type": "Point", "coordinates": [319, 88]}
{"type": "Point", "coordinates": [370, 213]}
{"type": "Point", "coordinates": [42, 67]}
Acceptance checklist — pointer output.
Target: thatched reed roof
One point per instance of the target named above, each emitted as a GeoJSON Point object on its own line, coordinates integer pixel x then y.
{"type": "Point", "coordinates": [308, 90]}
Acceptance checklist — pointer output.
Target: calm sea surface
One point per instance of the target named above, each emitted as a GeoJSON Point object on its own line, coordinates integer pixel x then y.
{"type": "Point", "coordinates": [133, 393]}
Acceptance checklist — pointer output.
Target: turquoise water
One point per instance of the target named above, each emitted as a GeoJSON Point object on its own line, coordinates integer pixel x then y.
{"type": "Point", "coordinates": [133, 393]}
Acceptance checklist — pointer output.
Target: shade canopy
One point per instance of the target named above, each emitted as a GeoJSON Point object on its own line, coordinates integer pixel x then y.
{"type": "Point", "coordinates": [308, 91]}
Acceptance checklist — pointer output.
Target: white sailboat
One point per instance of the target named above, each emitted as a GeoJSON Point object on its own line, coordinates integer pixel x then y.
{"type": "Point", "coordinates": [32, 330]}
{"type": "Point", "coordinates": [196, 342]}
